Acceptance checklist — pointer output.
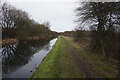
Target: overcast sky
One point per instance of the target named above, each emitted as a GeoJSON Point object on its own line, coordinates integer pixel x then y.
{"type": "Point", "coordinates": [60, 13]}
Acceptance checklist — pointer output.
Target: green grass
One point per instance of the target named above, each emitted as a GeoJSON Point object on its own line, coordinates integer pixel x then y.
{"type": "Point", "coordinates": [48, 67]}
{"type": "Point", "coordinates": [101, 67]}
{"type": "Point", "coordinates": [58, 63]}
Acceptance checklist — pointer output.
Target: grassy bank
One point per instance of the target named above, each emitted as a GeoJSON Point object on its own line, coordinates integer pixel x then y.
{"type": "Point", "coordinates": [59, 63]}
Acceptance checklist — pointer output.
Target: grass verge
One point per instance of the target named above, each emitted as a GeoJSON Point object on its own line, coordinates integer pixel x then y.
{"type": "Point", "coordinates": [59, 63]}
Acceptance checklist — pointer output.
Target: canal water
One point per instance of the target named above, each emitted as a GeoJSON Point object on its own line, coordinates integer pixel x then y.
{"type": "Point", "coordinates": [20, 60]}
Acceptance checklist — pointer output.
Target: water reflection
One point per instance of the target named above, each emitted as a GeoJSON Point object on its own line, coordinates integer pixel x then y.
{"type": "Point", "coordinates": [19, 54]}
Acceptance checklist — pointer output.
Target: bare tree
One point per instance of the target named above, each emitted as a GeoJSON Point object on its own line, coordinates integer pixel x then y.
{"type": "Point", "coordinates": [18, 24]}
{"type": "Point", "coordinates": [103, 20]}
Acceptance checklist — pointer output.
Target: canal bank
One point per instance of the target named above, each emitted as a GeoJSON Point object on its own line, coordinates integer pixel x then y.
{"type": "Point", "coordinates": [68, 59]}
{"type": "Point", "coordinates": [59, 63]}
{"type": "Point", "coordinates": [9, 41]}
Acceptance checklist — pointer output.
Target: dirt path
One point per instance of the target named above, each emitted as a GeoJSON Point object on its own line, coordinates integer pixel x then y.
{"type": "Point", "coordinates": [81, 63]}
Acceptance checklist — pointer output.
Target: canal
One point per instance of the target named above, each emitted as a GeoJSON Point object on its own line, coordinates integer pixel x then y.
{"type": "Point", "coordinates": [20, 60]}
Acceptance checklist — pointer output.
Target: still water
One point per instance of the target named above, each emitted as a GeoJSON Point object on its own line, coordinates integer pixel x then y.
{"type": "Point", "coordinates": [20, 60]}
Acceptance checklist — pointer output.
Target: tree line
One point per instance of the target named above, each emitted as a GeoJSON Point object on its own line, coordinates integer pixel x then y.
{"type": "Point", "coordinates": [17, 23]}
{"type": "Point", "coordinates": [102, 20]}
